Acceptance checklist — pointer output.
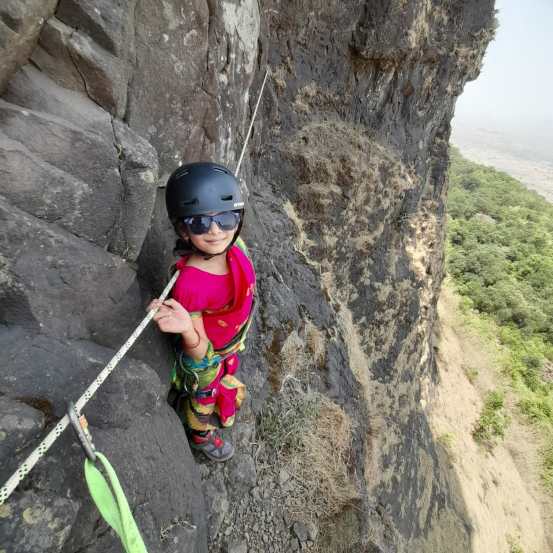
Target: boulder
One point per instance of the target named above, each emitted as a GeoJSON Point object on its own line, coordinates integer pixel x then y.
{"type": "Point", "coordinates": [20, 25]}
{"type": "Point", "coordinates": [38, 522]}
{"type": "Point", "coordinates": [67, 287]}
{"type": "Point", "coordinates": [80, 204]}
{"type": "Point", "coordinates": [53, 56]}
{"type": "Point", "coordinates": [75, 61]}
{"type": "Point", "coordinates": [139, 171]}
{"type": "Point", "coordinates": [109, 24]}
{"type": "Point", "coordinates": [130, 423]}
{"type": "Point", "coordinates": [67, 368]}
{"type": "Point", "coordinates": [88, 159]}
{"type": "Point", "coordinates": [35, 90]}
{"type": "Point", "coordinates": [19, 425]}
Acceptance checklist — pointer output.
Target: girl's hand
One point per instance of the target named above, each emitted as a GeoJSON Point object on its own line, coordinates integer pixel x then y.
{"type": "Point", "coordinates": [172, 317]}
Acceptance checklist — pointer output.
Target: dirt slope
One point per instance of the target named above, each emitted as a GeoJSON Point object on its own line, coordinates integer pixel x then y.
{"type": "Point", "coordinates": [500, 488]}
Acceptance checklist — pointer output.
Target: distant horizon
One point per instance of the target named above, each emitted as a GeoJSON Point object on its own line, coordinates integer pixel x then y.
{"type": "Point", "coordinates": [512, 96]}
{"type": "Point", "coordinates": [504, 118]}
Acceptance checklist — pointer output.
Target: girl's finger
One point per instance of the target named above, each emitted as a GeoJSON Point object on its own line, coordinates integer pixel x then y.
{"type": "Point", "coordinates": [160, 315]}
{"type": "Point", "coordinates": [154, 304]}
{"type": "Point", "coordinates": [173, 304]}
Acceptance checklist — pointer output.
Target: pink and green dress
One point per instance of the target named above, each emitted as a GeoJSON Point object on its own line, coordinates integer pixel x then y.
{"type": "Point", "coordinates": [226, 304]}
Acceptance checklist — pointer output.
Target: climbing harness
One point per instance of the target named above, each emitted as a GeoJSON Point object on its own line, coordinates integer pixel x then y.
{"type": "Point", "coordinates": [106, 493]}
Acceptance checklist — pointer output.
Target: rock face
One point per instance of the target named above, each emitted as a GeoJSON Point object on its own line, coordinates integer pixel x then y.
{"type": "Point", "coordinates": [347, 184]}
{"type": "Point", "coordinates": [20, 25]}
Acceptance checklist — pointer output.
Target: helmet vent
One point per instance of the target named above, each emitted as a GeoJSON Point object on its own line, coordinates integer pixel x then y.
{"type": "Point", "coordinates": [219, 170]}
{"type": "Point", "coordinates": [180, 173]}
{"type": "Point", "coordinates": [226, 198]}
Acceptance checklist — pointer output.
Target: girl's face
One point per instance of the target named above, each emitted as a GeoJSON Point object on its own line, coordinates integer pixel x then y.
{"type": "Point", "coordinates": [214, 241]}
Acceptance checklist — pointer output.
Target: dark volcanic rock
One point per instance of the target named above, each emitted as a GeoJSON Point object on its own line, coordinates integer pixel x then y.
{"type": "Point", "coordinates": [86, 206]}
{"type": "Point", "coordinates": [33, 89]}
{"type": "Point", "coordinates": [138, 168]}
{"type": "Point", "coordinates": [69, 284]}
{"type": "Point", "coordinates": [67, 368]}
{"type": "Point", "coordinates": [19, 425]}
{"type": "Point", "coordinates": [20, 25]}
{"type": "Point", "coordinates": [347, 185]}
{"type": "Point", "coordinates": [357, 145]}
{"type": "Point", "coordinates": [109, 24]}
{"type": "Point", "coordinates": [53, 56]}
{"type": "Point", "coordinates": [83, 162]}
{"type": "Point", "coordinates": [75, 61]}
{"type": "Point", "coordinates": [38, 522]}
{"type": "Point", "coordinates": [130, 422]}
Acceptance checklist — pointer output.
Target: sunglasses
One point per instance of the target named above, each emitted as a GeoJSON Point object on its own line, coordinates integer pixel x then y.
{"type": "Point", "coordinates": [200, 224]}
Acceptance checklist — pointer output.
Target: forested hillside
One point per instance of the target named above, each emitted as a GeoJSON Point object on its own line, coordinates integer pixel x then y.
{"type": "Point", "coordinates": [500, 255]}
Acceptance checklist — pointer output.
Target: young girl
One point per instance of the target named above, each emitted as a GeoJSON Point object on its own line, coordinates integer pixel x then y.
{"type": "Point", "coordinates": [212, 304]}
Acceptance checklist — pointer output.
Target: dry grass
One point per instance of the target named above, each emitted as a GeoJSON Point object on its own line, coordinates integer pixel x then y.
{"type": "Point", "coordinates": [297, 355]}
{"type": "Point", "coordinates": [342, 170]}
{"type": "Point", "coordinates": [309, 436]}
{"type": "Point", "coordinates": [316, 343]}
{"type": "Point", "coordinates": [324, 485]}
{"type": "Point", "coordinates": [310, 97]}
{"type": "Point", "coordinates": [279, 77]}
{"type": "Point", "coordinates": [293, 355]}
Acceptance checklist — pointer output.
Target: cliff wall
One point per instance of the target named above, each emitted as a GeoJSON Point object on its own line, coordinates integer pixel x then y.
{"type": "Point", "coordinates": [346, 187]}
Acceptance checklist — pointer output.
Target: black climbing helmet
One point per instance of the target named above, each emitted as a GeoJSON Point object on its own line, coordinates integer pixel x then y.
{"type": "Point", "coordinates": [200, 188]}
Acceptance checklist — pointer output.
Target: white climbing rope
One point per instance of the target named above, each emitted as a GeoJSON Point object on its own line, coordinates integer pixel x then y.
{"type": "Point", "coordinates": [53, 435]}
{"type": "Point", "coordinates": [251, 123]}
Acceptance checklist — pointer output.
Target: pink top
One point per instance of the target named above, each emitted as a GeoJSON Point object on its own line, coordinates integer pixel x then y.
{"type": "Point", "coordinates": [224, 301]}
{"type": "Point", "coordinates": [197, 290]}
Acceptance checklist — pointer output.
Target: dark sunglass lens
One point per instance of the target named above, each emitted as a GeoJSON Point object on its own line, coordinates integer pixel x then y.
{"type": "Point", "coordinates": [227, 220]}
{"type": "Point", "coordinates": [198, 224]}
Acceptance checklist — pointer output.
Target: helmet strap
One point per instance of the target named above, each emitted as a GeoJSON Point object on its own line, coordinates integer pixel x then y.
{"type": "Point", "coordinates": [237, 233]}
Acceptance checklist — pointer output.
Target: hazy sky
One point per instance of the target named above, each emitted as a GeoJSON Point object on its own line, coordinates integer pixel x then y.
{"type": "Point", "coordinates": [515, 88]}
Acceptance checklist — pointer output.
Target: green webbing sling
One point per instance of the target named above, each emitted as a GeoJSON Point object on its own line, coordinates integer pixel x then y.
{"type": "Point", "coordinates": [112, 503]}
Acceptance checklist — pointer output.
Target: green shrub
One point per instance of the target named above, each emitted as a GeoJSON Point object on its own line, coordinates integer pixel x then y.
{"type": "Point", "coordinates": [514, 545]}
{"type": "Point", "coordinates": [539, 409]}
{"type": "Point", "coordinates": [447, 440]}
{"type": "Point", "coordinates": [493, 421]}
{"type": "Point", "coordinates": [547, 473]}
{"type": "Point", "coordinates": [471, 373]}
{"type": "Point", "coordinates": [505, 267]}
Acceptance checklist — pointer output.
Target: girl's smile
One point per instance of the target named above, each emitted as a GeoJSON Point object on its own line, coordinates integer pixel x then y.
{"type": "Point", "coordinates": [214, 241]}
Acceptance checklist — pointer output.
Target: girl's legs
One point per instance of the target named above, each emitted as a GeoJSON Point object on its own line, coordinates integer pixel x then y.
{"type": "Point", "coordinates": [214, 406]}
{"type": "Point", "coordinates": [202, 416]}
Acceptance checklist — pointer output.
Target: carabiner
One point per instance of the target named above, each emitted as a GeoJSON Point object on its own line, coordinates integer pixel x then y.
{"type": "Point", "coordinates": [80, 426]}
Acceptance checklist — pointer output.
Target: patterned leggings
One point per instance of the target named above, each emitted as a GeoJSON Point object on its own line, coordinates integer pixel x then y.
{"type": "Point", "coordinates": [215, 405]}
